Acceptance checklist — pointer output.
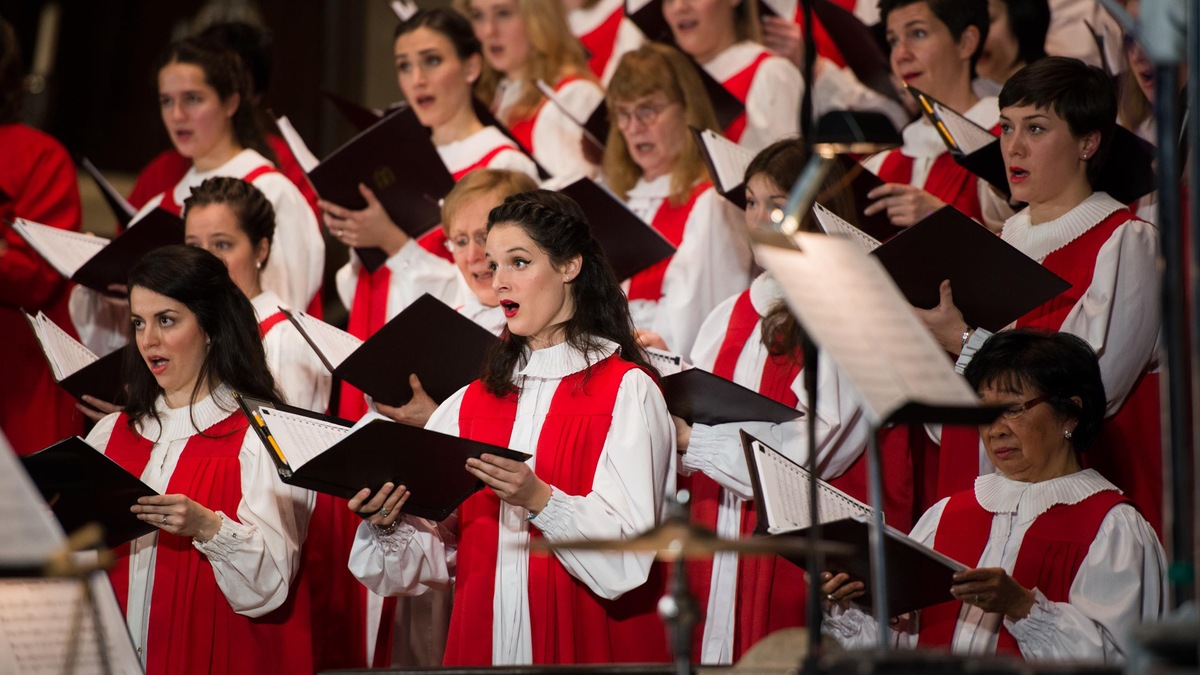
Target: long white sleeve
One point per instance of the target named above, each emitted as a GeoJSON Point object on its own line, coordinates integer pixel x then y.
{"type": "Point", "coordinates": [776, 90]}
{"type": "Point", "coordinates": [711, 264]}
{"type": "Point", "coordinates": [557, 140]}
{"type": "Point", "coordinates": [297, 263]}
{"type": "Point", "coordinates": [303, 380]}
{"type": "Point", "coordinates": [418, 556]}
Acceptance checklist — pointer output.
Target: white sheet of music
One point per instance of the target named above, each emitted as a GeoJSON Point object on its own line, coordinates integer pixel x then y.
{"type": "Point", "coordinates": [404, 9]}
{"type": "Point", "coordinates": [28, 531]}
{"type": "Point", "coordinates": [301, 438]}
{"type": "Point", "coordinates": [856, 314]}
{"type": "Point", "coordinates": [968, 135]}
{"type": "Point", "coordinates": [66, 355]}
{"type": "Point", "coordinates": [835, 225]}
{"type": "Point", "coordinates": [36, 616]}
{"type": "Point", "coordinates": [783, 8]}
{"type": "Point", "coordinates": [667, 363]}
{"type": "Point", "coordinates": [304, 157]}
{"type": "Point", "coordinates": [785, 487]}
{"type": "Point", "coordinates": [66, 251]}
{"type": "Point", "coordinates": [729, 159]}
{"type": "Point", "coordinates": [331, 343]}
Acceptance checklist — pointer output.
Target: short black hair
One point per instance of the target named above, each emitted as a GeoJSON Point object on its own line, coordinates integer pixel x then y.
{"type": "Point", "coordinates": [1059, 364]}
{"type": "Point", "coordinates": [1029, 21]}
{"type": "Point", "coordinates": [958, 15]}
{"type": "Point", "coordinates": [1080, 94]}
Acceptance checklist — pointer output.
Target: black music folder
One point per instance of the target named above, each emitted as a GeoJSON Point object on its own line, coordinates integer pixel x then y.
{"type": "Point", "coordinates": [120, 206]}
{"type": "Point", "coordinates": [82, 485]}
{"type": "Point", "coordinates": [359, 116]}
{"type": "Point", "coordinates": [74, 367]}
{"type": "Point", "coordinates": [445, 349]}
{"type": "Point", "coordinates": [1127, 174]}
{"type": "Point", "coordinates": [96, 262]}
{"type": "Point", "coordinates": [397, 160]}
{"type": "Point", "coordinates": [860, 181]}
{"type": "Point", "coordinates": [918, 576]}
{"type": "Point", "coordinates": [628, 242]}
{"type": "Point", "coordinates": [700, 397]}
{"type": "Point", "coordinates": [321, 453]}
{"type": "Point", "coordinates": [865, 56]}
{"type": "Point", "coordinates": [993, 283]}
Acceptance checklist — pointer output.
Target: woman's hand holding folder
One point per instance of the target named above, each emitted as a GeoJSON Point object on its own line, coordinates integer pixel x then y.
{"type": "Point", "coordinates": [383, 509]}
{"type": "Point", "coordinates": [371, 227]}
{"type": "Point", "coordinates": [416, 412]}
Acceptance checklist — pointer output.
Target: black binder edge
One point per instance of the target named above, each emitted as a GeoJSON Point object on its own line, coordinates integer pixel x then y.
{"type": "Point", "coordinates": [762, 524]}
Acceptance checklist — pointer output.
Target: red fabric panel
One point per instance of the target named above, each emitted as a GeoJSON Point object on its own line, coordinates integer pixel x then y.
{"type": "Point", "coordinates": [739, 86]}
{"type": "Point", "coordinates": [670, 221]}
{"type": "Point", "coordinates": [368, 314]}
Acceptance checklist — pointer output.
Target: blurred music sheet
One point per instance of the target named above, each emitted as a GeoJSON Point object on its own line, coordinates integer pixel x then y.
{"type": "Point", "coordinates": [850, 307]}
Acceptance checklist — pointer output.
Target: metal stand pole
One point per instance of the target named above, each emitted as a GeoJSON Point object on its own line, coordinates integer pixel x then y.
{"type": "Point", "coordinates": [678, 610]}
{"type": "Point", "coordinates": [879, 585]}
{"type": "Point", "coordinates": [815, 558]}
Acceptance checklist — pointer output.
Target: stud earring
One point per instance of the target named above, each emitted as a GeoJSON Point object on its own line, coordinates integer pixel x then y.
{"type": "Point", "coordinates": [258, 265]}
{"type": "Point", "coordinates": [1067, 434]}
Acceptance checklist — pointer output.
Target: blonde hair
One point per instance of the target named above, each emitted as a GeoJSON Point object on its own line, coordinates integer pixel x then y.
{"type": "Point", "coordinates": [554, 55]}
{"type": "Point", "coordinates": [499, 182]}
{"type": "Point", "coordinates": [652, 68]}
{"type": "Point", "coordinates": [745, 21]}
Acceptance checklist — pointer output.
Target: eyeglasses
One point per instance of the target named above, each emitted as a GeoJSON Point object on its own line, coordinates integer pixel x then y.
{"type": "Point", "coordinates": [463, 241]}
{"type": "Point", "coordinates": [645, 113]}
{"type": "Point", "coordinates": [1012, 412]}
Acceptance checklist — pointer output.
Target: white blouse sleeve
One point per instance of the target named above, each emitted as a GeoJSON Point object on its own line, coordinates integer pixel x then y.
{"type": "Point", "coordinates": [633, 477]}
{"type": "Point", "coordinates": [303, 380]}
{"type": "Point", "coordinates": [515, 160]}
{"type": "Point", "coordinates": [772, 104]}
{"type": "Point", "coordinates": [1121, 583]}
{"type": "Point", "coordinates": [420, 554]}
{"type": "Point", "coordinates": [711, 264]}
{"type": "Point", "coordinates": [557, 140]}
{"type": "Point", "coordinates": [1119, 314]}
{"type": "Point", "coordinates": [297, 263]}
{"type": "Point", "coordinates": [842, 434]}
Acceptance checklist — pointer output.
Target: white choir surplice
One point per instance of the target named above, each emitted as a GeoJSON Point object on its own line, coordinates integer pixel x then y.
{"type": "Point", "coordinates": [557, 139]}
{"type": "Point", "coordinates": [777, 86]}
{"type": "Point", "coordinates": [584, 20]}
{"type": "Point", "coordinates": [716, 451]}
{"type": "Point", "coordinates": [924, 145]}
{"type": "Point", "coordinates": [711, 264]}
{"type": "Point", "coordinates": [491, 318]}
{"type": "Point", "coordinates": [634, 475]}
{"type": "Point", "coordinates": [294, 270]}
{"type": "Point", "coordinates": [253, 558]}
{"type": "Point", "coordinates": [1121, 582]}
{"type": "Point", "coordinates": [415, 271]}
{"type": "Point", "coordinates": [301, 377]}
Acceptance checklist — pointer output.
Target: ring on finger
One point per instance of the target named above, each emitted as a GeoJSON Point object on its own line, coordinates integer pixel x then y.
{"type": "Point", "coordinates": [164, 520]}
{"type": "Point", "coordinates": [383, 513]}
{"type": "Point", "coordinates": [976, 598]}
{"type": "Point", "coordinates": [831, 597]}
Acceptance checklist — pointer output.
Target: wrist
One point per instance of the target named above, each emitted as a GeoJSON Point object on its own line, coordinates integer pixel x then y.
{"type": "Point", "coordinates": [1023, 607]}
{"type": "Point", "coordinates": [539, 501]}
{"type": "Point", "coordinates": [209, 528]}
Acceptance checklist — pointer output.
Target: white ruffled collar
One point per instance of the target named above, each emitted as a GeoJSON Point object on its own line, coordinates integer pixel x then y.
{"type": "Point", "coordinates": [174, 424]}
{"type": "Point", "coordinates": [1039, 241]}
{"type": "Point", "coordinates": [562, 360]}
{"type": "Point", "coordinates": [921, 139]}
{"type": "Point", "coordinates": [765, 293]}
{"type": "Point", "coordinates": [659, 188]}
{"type": "Point", "coordinates": [1001, 495]}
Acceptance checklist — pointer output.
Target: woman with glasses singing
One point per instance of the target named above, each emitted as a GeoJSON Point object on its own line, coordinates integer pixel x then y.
{"type": "Point", "coordinates": [1063, 564]}
{"type": "Point", "coordinates": [1056, 119]}
{"type": "Point", "coordinates": [653, 164]}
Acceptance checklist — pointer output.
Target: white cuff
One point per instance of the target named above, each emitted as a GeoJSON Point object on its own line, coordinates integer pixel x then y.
{"type": "Point", "coordinates": [554, 520]}
{"type": "Point", "coordinates": [976, 341]}
{"type": "Point", "coordinates": [703, 446]}
{"type": "Point", "coordinates": [226, 541]}
{"type": "Point", "coordinates": [1034, 631]}
{"type": "Point", "coordinates": [395, 540]}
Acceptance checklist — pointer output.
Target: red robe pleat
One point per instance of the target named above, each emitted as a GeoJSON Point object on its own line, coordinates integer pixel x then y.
{"type": "Point", "coordinates": [192, 628]}
{"type": "Point", "coordinates": [570, 624]}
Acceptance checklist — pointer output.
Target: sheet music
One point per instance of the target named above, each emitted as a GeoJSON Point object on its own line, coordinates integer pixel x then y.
{"type": "Point", "coordinates": [36, 616]}
{"type": "Point", "coordinates": [835, 225]}
{"type": "Point", "coordinates": [304, 157]}
{"type": "Point", "coordinates": [966, 134]}
{"type": "Point", "coordinates": [667, 363]}
{"type": "Point", "coordinates": [28, 531]}
{"type": "Point", "coordinates": [728, 158]}
{"type": "Point", "coordinates": [785, 487]}
{"type": "Point", "coordinates": [404, 9]}
{"type": "Point", "coordinates": [66, 355]}
{"type": "Point", "coordinates": [330, 343]}
{"type": "Point", "coordinates": [66, 251]}
{"type": "Point", "coordinates": [852, 309]}
{"type": "Point", "coordinates": [301, 438]}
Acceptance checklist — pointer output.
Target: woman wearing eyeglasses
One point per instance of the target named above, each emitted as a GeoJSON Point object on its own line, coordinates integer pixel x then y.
{"type": "Point", "coordinates": [1062, 564]}
{"type": "Point", "coordinates": [1057, 118]}
{"type": "Point", "coordinates": [652, 163]}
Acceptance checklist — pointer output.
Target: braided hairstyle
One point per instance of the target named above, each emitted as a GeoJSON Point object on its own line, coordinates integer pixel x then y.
{"type": "Point", "coordinates": [251, 208]}
{"type": "Point", "coordinates": [560, 229]}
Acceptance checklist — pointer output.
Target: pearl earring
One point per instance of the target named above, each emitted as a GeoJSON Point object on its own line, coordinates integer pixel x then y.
{"type": "Point", "coordinates": [258, 264]}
